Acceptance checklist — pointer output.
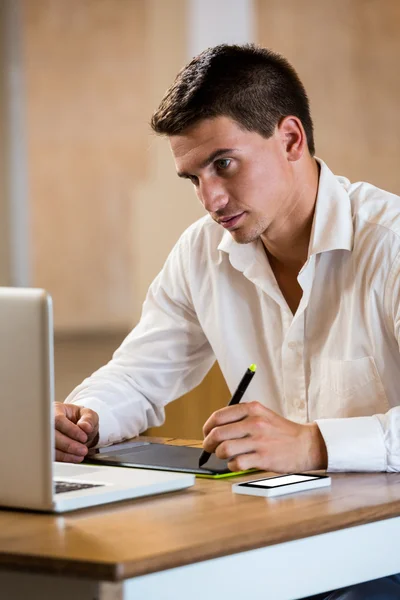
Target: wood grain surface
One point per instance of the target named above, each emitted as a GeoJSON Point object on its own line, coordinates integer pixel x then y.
{"type": "Point", "coordinates": [131, 538]}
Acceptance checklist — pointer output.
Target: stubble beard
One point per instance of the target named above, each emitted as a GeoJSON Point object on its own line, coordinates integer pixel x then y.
{"type": "Point", "coordinates": [241, 236]}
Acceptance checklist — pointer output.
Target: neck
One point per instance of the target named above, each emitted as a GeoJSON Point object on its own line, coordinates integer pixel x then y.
{"type": "Point", "coordinates": [286, 241]}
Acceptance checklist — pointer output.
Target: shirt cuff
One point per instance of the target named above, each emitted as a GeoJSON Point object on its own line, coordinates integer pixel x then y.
{"type": "Point", "coordinates": [354, 444]}
{"type": "Point", "coordinates": [108, 424]}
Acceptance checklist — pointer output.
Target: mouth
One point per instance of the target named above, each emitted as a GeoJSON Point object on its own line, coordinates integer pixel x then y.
{"type": "Point", "coordinates": [229, 222]}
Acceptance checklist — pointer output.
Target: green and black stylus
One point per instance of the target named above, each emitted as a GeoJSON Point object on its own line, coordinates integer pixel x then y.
{"type": "Point", "coordinates": [236, 398]}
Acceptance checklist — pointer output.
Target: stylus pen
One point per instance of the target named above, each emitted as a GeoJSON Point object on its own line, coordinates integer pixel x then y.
{"type": "Point", "coordinates": [236, 398]}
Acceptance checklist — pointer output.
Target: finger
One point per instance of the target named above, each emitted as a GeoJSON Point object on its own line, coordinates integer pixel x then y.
{"type": "Point", "coordinates": [223, 433]}
{"type": "Point", "coordinates": [65, 457]}
{"type": "Point", "coordinates": [71, 411]}
{"type": "Point", "coordinates": [88, 420]}
{"type": "Point", "coordinates": [223, 416]}
{"type": "Point", "coordinates": [71, 430]}
{"type": "Point", "coordinates": [86, 425]}
{"type": "Point", "coordinates": [68, 446]}
{"type": "Point", "coordinates": [243, 462]}
{"type": "Point", "coordinates": [232, 448]}
{"type": "Point", "coordinates": [234, 413]}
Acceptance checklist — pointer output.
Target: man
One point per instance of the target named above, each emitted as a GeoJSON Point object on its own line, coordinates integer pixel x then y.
{"type": "Point", "coordinates": [294, 269]}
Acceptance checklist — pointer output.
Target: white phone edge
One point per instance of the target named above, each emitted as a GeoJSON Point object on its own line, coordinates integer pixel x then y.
{"type": "Point", "coordinates": [291, 488]}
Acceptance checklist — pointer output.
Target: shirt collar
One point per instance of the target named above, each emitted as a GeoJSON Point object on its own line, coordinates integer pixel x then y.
{"type": "Point", "coordinates": [332, 227]}
{"type": "Point", "coordinates": [240, 255]}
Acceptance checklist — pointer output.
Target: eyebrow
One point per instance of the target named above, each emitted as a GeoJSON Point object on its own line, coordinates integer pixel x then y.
{"type": "Point", "coordinates": [214, 155]}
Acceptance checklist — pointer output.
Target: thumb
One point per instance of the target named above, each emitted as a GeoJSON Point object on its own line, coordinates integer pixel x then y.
{"type": "Point", "coordinates": [87, 421]}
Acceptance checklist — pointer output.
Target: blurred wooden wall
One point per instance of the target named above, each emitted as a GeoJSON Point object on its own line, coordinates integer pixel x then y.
{"type": "Point", "coordinates": [4, 188]}
{"type": "Point", "coordinates": [86, 131]}
{"type": "Point", "coordinates": [346, 53]}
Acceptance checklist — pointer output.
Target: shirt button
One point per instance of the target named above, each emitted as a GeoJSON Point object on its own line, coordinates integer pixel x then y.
{"type": "Point", "coordinates": [299, 404]}
{"type": "Point", "coordinates": [292, 345]}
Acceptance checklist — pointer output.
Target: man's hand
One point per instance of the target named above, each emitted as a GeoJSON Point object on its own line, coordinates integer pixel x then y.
{"type": "Point", "coordinates": [77, 430]}
{"type": "Point", "coordinates": [252, 436]}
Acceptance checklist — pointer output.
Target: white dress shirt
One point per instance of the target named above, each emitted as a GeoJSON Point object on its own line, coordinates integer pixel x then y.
{"type": "Point", "coordinates": [336, 361]}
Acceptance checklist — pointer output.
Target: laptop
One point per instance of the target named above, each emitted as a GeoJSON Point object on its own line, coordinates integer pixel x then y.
{"type": "Point", "coordinates": [29, 477]}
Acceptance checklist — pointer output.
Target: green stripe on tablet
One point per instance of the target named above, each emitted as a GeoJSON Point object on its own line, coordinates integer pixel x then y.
{"type": "Point", "coordinates": [224, 475]}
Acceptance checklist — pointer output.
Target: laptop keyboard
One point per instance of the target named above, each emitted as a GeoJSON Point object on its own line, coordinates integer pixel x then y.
{"type": "Point", "coordinates": [70, 486]}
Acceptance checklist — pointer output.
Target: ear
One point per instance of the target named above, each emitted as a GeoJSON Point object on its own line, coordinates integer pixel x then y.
{"type": "Point", "coordinates": [293, 137]}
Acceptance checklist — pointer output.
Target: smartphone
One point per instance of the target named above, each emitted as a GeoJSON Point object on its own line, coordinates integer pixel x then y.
{"type": "Point", "coordinates": [278, 485]}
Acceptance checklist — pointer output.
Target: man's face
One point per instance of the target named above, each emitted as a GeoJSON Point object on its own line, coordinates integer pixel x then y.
{"type": "Point", "coordinates": [243, 180]}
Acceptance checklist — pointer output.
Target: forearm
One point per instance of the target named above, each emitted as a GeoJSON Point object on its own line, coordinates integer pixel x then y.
{"type": "Point", "coordinates": [123, 412]}
{"type": "Point", "coordinates": [317, 451]}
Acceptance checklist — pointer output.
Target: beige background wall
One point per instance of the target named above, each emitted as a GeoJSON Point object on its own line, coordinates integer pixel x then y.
{"type": "Point", "coordinates": [346, 52]}
{"type": "Point", "coordinates": [4, 209]}
{"type": "Point", "coordinates": [165, 205]}
{"type": "Point", "coordinates": [101, 222]}
{"type": "Point", "coordinates": [86, 132]}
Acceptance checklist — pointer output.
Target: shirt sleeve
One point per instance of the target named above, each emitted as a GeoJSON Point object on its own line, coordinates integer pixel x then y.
{"type": "Point", "coordinates": [369, 443]}
{"type": "Point", "coordinates": [164, 356]}
{"type": "Point", "coordinates": [355, 444]}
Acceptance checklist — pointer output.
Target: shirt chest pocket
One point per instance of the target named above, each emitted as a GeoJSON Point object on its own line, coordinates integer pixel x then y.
{"type": "Point", "coordinates": [352, 388]}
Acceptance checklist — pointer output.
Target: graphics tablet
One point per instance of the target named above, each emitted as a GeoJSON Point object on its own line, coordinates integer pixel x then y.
{"type": "Point", "coordinates": [164, 457]}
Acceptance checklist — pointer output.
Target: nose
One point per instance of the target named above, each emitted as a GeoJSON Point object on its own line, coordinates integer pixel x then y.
{"type": "Point", "coordinates": [212, 195]}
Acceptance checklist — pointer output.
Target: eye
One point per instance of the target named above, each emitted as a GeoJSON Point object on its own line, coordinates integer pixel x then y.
{"type": "Point", "coordinates": [222, 164]}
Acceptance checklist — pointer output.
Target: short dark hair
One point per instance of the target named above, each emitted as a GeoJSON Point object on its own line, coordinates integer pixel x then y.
{"type": "Point", "coordinates": [254, 86]}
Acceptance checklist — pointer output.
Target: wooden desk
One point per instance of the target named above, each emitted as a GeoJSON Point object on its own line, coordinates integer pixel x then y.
{"type": "Point", "coordinates": [206, 542]}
